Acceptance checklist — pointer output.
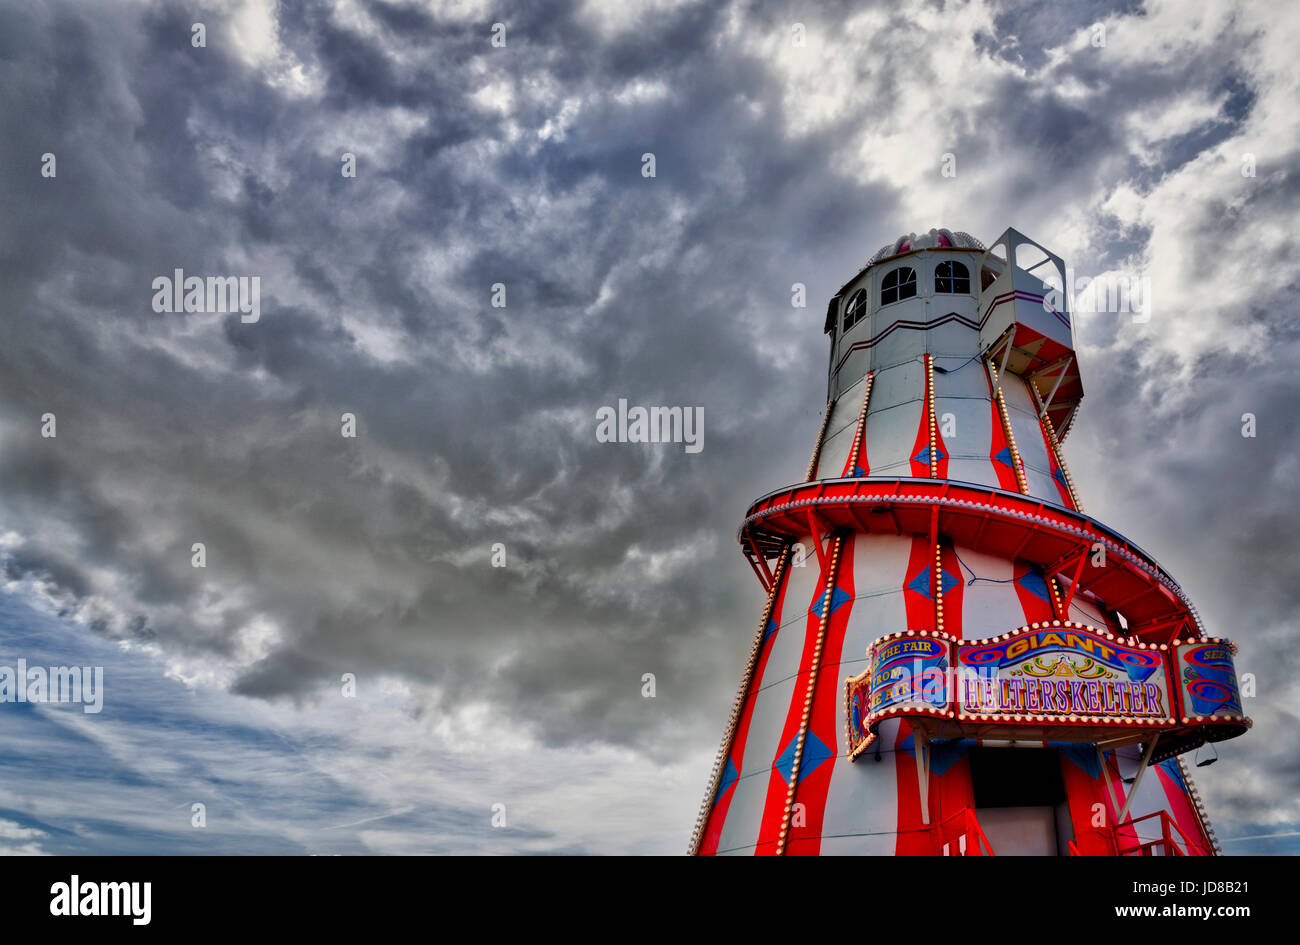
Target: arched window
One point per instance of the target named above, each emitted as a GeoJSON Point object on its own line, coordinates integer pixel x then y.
{"type": "Point", "coordinates": [856, 310]}
{"type": "Point", "coordinates": [952, 277]}
{"type": "Point", "coordinates": [898, 284]}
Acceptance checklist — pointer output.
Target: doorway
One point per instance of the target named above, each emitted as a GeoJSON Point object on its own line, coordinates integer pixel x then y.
{"type": "Point", "coordinates": [1020, 801]}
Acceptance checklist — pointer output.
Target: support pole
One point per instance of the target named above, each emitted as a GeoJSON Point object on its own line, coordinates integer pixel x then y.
{"type": "Point", "coordinates": [816, 540]}
{"type": "Point", "coordinates": [1110, 788]}
{"type": "Point", "coordinates": [1055, 387]}
{"type": "Point", "coordinates": [921, 748]}
{"type": "Point", "coordinates": [1137, 781]}
{"type": "Point", "coordinates": [1074, 583]}
{"type": "Point", "coordinates": [765, 576]}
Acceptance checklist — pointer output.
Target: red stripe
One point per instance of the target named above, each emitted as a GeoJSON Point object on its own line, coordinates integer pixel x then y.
{"type": "Point", "coordinates": [914, 837]}
{"type": "Point", "coordinates": [1184, 815]}
{"type": "Point", "coordinates": [1053, 466]}
{"type": "Point", "coordinates": [1084, 793]}
{"type": "Point", "coordinates": [825, 722]}
{"type": "Point", "coordinates": [1006, 474]}
{"type": "Point", "coordinates": [777, 787]}
{"type": "Point", "coordinates": [920, 608]}
{"type": "Point", "coordinates": [1034, 607]}
{"type": "Point", "coordinates": [858, 452]}
{"type": "Point", "coordinates": [953, 600]}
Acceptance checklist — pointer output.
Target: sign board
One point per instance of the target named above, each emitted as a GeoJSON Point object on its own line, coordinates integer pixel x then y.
{"type": "Point", "coordinates": [1208, 680]}
{"type": "Point", "coordinates": [1055, 681]}
{"type": "Point", "coordinates": [1058, 672]}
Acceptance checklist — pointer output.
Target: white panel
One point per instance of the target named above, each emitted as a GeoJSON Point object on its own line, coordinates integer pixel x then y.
{"type": "Point", "coordinates": [1019, 831]}
{"type": "Point", "coordinates": [835, 451]}
{"type": "Point", "coordinates": [1016, 394]}
{"type": "Point", "coordinates": [761, 749]}
{"type": "Point", "coordinates": [840, 431]}
{"type": "Point", "coordinates": [953, 338]}
{"type": "Point", "coordinates": [844, 415]}
{"type": "Point", "coordinates": [879, 570]}
{"type": "Point", "coordinates": [863, 795]}
{"type": "Point", "coordinates": [900, 384]}
{"type": "Point", "coordinates": [893, 469]}
{"type": "Point", "coordinates": [902, 343]}
{"type": "Point", "coordinates": [803, 584]}
{"type": "Point", "coordinates": [880, 562]}
{"type": "Point", "coordinates": [966, 378]}
{"type": "Point", "coordinates": [1029, 440]}
{"type": "Point", "coordinates": [745, 815]}
{"type": "Point", "coordinates": [979, 472]}
{"type": "Point", "coordinates": [1025, 424]}
{"type": "Point", "coordinates": [855, 366]}
{"type": "Point", "coordinates": [771, 705]}
{"type": "Point", "coordinates": [742, 851]}
{"type": "Point", "coordinates": [1085, 611]}
{"type": "Point", "coordinates": [1042, 486]}
{"type": "Point", "coordinates": [890, 435]}
{"type": "Point", "coordinates": [873, 616]}
{"type": "Point", "coordinates": [972, 423]}
{"type": "Point", "coordinates": [787, 648]}
{"type": "Point", "coordinates": [988, 609]}
{"type": "Point", "coordinates": [861, 331]}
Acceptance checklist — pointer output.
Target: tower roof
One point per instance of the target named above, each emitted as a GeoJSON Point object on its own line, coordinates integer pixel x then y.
{"type": "Point", "coordinates": [935, 239]}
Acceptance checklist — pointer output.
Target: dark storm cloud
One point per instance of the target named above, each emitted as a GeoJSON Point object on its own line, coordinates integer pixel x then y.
{"type": "Point", "coordinates": [522, 165]}
{"type": "Point", "coordinates": [361, 567]}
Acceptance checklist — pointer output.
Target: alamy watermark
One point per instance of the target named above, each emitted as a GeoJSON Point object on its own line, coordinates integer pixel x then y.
{"type": "Point", "coordinates": [83, 684]}
{"type": "Point", "coordinates": [1103, 294]}
{"type": "Point", "coordinates": [181, 293]}
{"type": "Point", "coordinates": [651, 425]}
{"type": "Point", "coordinates": [79, 898]}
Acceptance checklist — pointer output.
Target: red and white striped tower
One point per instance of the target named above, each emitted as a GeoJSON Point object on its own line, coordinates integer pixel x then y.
{"type": "Point", "coordinates": [953, 657]}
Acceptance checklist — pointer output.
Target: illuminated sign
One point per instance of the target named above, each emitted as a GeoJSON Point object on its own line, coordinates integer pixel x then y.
{"type": "Point", "coordinates": [1208, 680]}
{"type": "Point", "coordinates": [1058, 672]}
{"type": "Point", "coordinates": [1056, 680]}
{"type": "Point", "coordinates": [909, 671]}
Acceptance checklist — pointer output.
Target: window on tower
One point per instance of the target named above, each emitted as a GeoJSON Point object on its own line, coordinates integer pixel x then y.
{"type": "Point", "coordinates": [856, 310]}
{"type": "Point", "coordinates": [952, 277]}
{"type": "Point", "coordinates": [898, 284]}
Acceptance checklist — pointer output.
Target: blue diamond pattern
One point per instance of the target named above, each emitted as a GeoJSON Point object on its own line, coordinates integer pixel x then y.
{"type": "Point", "coordinates": [943, 755]}
{"type": "Point", "coordinates": [921, 583]}
{"type": "Point", "coordinates": [815, 753]}
{"type": "Point", "coordinates": [923, 455]}
{"type": "Point", "coordinates": [729, 777]}
{"type": "Point", "coordinates": [837, 601]}
{"type": "Point", "coordinates": [1083, 757]}
{"type": "Point", "coordinates": [1032, 581]}
{"type": "Point", "coordinates": [1004, 456]}
{"type": "Point", "coordinates": [785, 763]}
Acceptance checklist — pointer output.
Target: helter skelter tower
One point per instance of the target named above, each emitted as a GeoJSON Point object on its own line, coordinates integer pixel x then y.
{"type": "Point", "coordinates": [954, 658]}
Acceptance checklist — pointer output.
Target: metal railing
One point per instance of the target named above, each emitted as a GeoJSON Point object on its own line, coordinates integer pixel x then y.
{"type": "Point", "coordinates": [970, 841]}
{"type": "Point", "coordinates": [1147, 847]}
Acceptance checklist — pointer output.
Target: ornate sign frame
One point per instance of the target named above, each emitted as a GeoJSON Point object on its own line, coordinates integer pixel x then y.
{"type": "Point", "coordinates": [1050, 681]}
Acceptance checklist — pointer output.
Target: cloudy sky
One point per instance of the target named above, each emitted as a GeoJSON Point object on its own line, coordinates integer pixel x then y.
{"type": "Point", "coordinates": [1164, 146]}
